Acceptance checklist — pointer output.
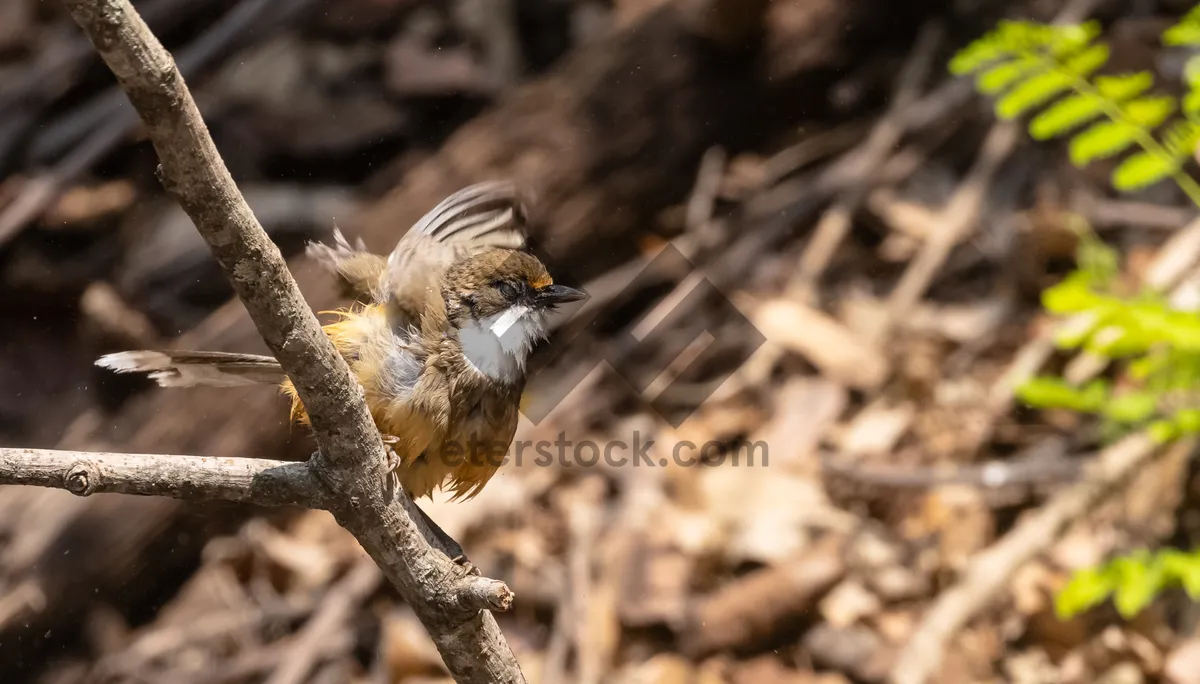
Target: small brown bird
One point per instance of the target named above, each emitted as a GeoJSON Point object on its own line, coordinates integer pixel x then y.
{"type": "Point", "coordinates": [438, 340]}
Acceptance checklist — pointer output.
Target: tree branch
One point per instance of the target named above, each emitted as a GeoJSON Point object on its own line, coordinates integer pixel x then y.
{"type": "Point", "coordinates": [199, 478]}
{"type": "Point", "coordinates": [247, 480]}
{"type": "Point", "coordinates": [351, 471]}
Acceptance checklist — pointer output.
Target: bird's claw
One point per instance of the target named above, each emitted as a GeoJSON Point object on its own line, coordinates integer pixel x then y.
{"type": "Point", "coordinates": [467, 566]}
{"type": "Point", "coordinates": [389, 453]}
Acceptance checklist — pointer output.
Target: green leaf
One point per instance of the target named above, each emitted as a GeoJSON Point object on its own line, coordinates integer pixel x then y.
{"type": "Point", "coordinates": [1053, 392]}
{"type": "Point", "coordinates": [1180, 330]}
{"type": "Point", "coordinates": [1003, 42]}
{"type": "Point", "coordinates": [1149, 112]}
{"type": "Point", "coordinates": [998, 78]}
{"type": "Point", "coordinates": [1191, 71]}
{"type": "Point", "coordinates": [1064, 115]}
{"type": "Point", "coordinates": [1032, 92]}
{"type": "Point", "coordinates": [1140, 579]}
{"type": "Point", "coordinates": [1124, 86]}
{"type": "Point", "coordinates": [1181, 138]}
{"type": "Point", "coordinates": [1102, 140]}
{"type": "Point", "coordinates": [1084, 63]}
{"type": "Point", "coordinates": [1191, 102]}
{"type": "Point", "coordinates": [1062, 41]}
{"type": "Point", "coordinates": [1117, 339]}
{"type": "Point", "coordinates": [1141, 170]}
{"type": "Point", "coordinates": [1077, 34]}
{"type": "Point", "coordinates": [1188, 420]}
{"type": "Point", "coordinates": [978, 54]}
{"type": "Point", "coordinates": [1071, 295]}
{"type": "Point", "coordinates": [1140, 369]}
{"type": "Point", "coordinates": [1085, 589]}
{"type": "Point", "coordinates": [1186, 32]}
{"type": "Point", "coordinates": [1133, 407]}
{"type": "Point", "coordinates": [1163, 431]}
{"type": "Point", "coordinates": [1047, 392]}
{"type": "Point", "coordinates": [1182, 35]}
{"type": "Point", "coordinates": [1185, 568]}
{"type": "Point", "coordinates": [1044, 86]}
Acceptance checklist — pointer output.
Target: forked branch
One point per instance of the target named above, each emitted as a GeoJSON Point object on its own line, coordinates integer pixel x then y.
{"type": "Point", "coordinates": [350, 477]}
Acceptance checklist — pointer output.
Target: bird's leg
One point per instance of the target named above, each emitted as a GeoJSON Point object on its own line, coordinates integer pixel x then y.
{"type": "Point", "coordinates": [451, 547]}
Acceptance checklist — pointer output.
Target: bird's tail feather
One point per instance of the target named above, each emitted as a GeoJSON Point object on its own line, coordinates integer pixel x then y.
{"type": "Point", "coordinates": [172, 368]}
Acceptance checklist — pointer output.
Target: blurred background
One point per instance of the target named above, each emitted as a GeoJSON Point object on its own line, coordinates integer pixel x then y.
{"type": "Point", "coordinates": [837, 252]}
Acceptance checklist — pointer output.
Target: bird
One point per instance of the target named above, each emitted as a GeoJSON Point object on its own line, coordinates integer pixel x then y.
{"type": "Point", "coordinates": [438, 336]}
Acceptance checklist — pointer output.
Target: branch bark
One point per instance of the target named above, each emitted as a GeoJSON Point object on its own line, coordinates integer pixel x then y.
{"type": "Point", "coordinates": [248, 480]}
{"type": "Point", "coordinates": [350, 468]}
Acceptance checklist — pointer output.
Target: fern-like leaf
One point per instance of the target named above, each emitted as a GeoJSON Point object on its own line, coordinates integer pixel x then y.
{"type": "Point", "coordinates": [1029, 66]}
{"type": "Point", "coordinates": [1073, 111]}
{"type": "Point", "coordinates": [1122, 87]}
{"type": "Point", "coordinates": [996, 79]}
{"type": "Point", "coordinates": [1148, 112]}
{"type": "Point", "coordinates": [1031, 93]}
{"type": "Point", "coordinates": [1181, 139]}
{"type": "Point", "coordinates": [1191, 103]}
{"type": "Point", "coordinates": [1015, 38]}
{"type": "Point", "coordinates": [1142, 170]}
{"type": "Point", "coordinates": [1101, 141]}
{"type": "Point", "coordinates": [1186, 32]}
{"type": "Point", "coordinates": [1065, 115]}
{"type": "Point", "coordinates": [1048, 84]}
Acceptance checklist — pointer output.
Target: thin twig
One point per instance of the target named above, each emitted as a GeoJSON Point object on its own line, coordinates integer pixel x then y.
{"type": "Point", "coordinates": [351, 465]}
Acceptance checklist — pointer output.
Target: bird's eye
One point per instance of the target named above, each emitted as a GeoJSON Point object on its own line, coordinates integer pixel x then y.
{"type": "Point", "coordinates": [507, 289]}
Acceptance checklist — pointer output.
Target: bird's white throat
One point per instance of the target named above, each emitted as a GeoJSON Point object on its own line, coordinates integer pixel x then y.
{"type": "Point", "coordinates": [498, 345]}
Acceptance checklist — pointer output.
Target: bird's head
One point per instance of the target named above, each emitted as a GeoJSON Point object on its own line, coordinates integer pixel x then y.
{"type": "Point", "coordinates": [499, 301]}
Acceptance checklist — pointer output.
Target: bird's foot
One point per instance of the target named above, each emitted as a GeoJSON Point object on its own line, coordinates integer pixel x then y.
{"type": "Point", "coordinates": [467, 566]}
{"type": "Point", "coordinates": [389, 453]}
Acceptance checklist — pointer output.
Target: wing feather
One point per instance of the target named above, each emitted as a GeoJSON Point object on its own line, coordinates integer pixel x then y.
{"type": "Point", "coordinates": [483, 216]}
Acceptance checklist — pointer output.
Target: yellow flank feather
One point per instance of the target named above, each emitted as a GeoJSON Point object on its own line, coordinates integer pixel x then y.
{"type": "Point", "coordinates": [420, 472]}
{"type": "Point", "coordinates": [346, 333]}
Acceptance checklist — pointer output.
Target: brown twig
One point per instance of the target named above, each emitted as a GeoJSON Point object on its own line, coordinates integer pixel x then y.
{"type": "Point", "coordinates": [1043, 462]}
{"type": "Point", "coordinates": [350, 468]}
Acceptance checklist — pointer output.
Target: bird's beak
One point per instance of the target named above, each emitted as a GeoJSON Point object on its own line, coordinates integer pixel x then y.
{"type": "Point", "coordinates": [558, 294]}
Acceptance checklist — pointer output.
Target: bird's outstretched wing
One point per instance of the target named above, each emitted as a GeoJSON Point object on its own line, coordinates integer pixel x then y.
{"type": "Point", "coordinates": [483, 216]}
